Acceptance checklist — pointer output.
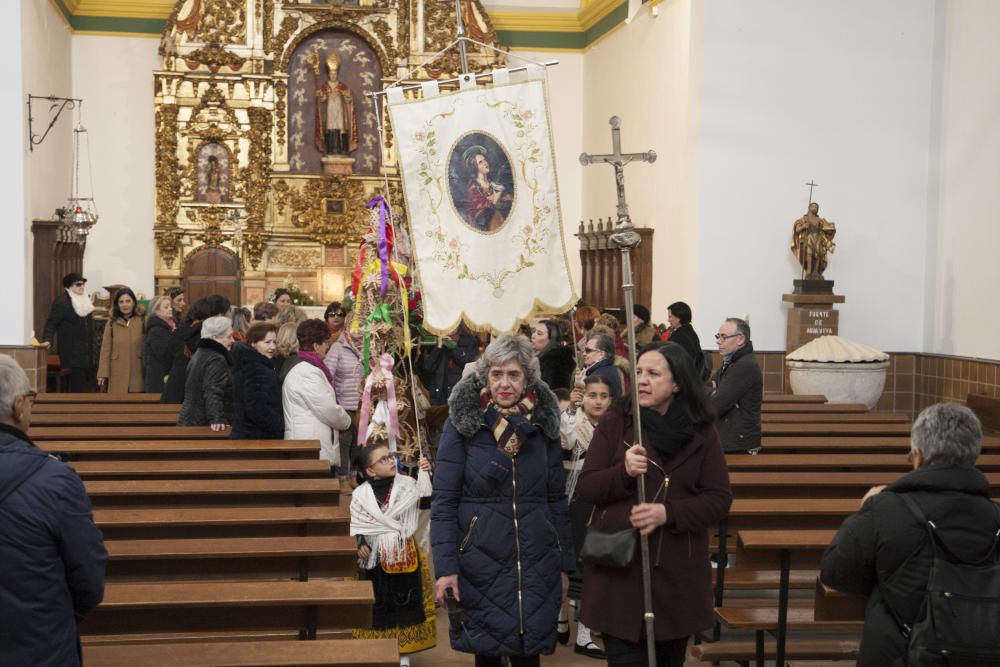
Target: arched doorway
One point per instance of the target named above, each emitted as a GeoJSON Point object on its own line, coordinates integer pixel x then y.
{"type": "Point", "coordinates": [210, 271]}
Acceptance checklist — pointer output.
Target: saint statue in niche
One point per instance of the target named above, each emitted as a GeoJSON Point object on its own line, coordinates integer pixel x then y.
{"type": "Point", "coordinates": [213, 174]}
{"type": "Point", "coordinates": [336, 119]}
{"type": "Point", "coordinates": [481, 182]}
{"type": "Point", "coordinates": [812, 240]}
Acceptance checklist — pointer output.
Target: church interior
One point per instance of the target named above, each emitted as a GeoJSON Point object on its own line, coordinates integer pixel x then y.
{"type": "Point", "coordinates": [229, 147]}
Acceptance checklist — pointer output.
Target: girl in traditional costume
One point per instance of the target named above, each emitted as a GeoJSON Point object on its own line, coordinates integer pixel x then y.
{"type": "Point", "coordinates": [384, 513]}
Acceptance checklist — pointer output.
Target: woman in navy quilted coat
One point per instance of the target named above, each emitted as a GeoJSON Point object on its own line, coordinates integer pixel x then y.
{"type": "Point", "coordinates": [499, 533]}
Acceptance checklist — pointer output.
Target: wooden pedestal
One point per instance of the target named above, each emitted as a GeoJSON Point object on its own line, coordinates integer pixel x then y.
{"type": "Point", "coordinates": [811, 316]}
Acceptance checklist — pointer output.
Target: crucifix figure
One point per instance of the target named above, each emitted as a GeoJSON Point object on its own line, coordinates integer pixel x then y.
{"type": "Point", "coordinates": [626, 238]}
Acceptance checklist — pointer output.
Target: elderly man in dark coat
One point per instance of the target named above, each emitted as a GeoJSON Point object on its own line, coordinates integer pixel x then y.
{"type": "Point", "coordinates": [738, 388]}
{"type": "Point", "coordinates": [70, 325]}
{"type": "Point", "coordinates": [884, 551]}
{"type": "Point", "coordinates": [52, 553]}
{"type": "Point", "coordinates": [599, 356]}
{"type": "Point", "coordinates": [499, 531]}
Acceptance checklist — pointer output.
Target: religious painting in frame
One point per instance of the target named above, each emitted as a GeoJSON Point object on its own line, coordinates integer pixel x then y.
{"type": "Point", "coordinates": [479, 180]}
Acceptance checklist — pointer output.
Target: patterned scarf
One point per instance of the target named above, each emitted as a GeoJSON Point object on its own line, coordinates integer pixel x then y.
{"type": "Point", "coordinates": [496, 419]}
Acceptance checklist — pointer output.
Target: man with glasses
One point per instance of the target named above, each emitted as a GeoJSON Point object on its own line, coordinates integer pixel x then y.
{"type": "Point", "coordinates": [738, 388]}
{"type": "Point", "coordinates": [599, 357]}
{"type": "Point", "coordinates": [52, 553]}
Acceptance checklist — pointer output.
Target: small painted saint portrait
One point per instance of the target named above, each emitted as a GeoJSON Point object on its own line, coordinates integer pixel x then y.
{"type": "Point", "coordinates": [213, 174]}
{"type": "Point", "coordinates": [481, 181]}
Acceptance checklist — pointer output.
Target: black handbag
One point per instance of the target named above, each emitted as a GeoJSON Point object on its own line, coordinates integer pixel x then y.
{"type": "Point", "coordinates": [608, 548]}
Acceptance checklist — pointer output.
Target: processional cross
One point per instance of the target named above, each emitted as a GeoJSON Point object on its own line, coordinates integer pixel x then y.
{"type": "Point", "coordinates": [626, 238]}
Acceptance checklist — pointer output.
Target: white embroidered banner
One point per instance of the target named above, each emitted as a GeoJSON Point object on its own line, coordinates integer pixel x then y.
{"type": "Point", "coordinates": [480, 185]}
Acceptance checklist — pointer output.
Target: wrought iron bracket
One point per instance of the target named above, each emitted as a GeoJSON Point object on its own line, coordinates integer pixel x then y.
{"type": "Point", "coordinates": [56, 106]}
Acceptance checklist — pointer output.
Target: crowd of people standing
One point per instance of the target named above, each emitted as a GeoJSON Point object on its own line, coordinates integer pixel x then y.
{"type": "Point", "coordinates": [537, 449]}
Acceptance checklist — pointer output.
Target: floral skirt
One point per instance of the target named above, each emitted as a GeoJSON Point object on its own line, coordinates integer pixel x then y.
{"type": "Point", "coordinates": [404, 608]}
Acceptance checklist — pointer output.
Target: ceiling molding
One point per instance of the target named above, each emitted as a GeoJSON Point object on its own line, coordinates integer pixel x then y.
{"type": "Point", "coordinates": [544, 30]}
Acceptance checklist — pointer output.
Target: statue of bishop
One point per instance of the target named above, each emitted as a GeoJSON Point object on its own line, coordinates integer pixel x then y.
{"type": "Point", "coordinates": [336, 121]}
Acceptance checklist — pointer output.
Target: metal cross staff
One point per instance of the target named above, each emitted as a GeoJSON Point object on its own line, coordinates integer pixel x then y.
{"type": "Point", "coordinates": [626, 238]}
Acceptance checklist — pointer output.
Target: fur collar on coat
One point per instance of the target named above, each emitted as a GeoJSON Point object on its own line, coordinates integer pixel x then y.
{"type": "Point", "coordinates": [467, 417]}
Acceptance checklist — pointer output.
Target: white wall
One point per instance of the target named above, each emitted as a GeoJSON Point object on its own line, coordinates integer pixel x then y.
{"type": "Point", "coordinates": [47, 71]}
{"type": "Point", "coordinates": [961, 306]}
{"type": "Point", "coordinates": [565, 81]}
{"type": "Point", "coordinates": [833, 90]}
{"type": "Point", "coordinates": [114, 75]}
{"type": "Point", "coordinates": [14, 251]}
{"type": "Point", "coordinates": [643, 73]}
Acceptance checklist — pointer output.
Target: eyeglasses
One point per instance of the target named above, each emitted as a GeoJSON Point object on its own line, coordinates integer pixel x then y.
{"type": "Point", "coordinates": [79, 283]}
{"type": "Point", "coordinates": [386, 459]}
{"type": "Point", "coordinates": [336, 313]}
{"type": "Point", "coordinates": [726, 336]}
{"type": "Point", "coordinates": [590, 349]}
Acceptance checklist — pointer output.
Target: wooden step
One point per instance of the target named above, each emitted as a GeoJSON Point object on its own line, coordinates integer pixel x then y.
{"type": "Point", "coordinates": [353, 652]}
{"type": "Point", "coordinates": [846, 649]}
{"type": "Point", "coordinates": [145, 469]}
{"type": "Point", "coordinates": [746, 580]}
{"type": "Point", "coordinates": [766, 618]}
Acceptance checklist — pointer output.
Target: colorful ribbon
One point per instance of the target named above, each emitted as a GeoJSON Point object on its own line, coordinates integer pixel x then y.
{"type": "Point", "coordinates": [382, 313]}
{"type": "Point", "coordinates": [383, 237]}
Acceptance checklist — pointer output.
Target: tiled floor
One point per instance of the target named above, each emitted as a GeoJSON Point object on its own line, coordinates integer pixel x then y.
{"type": "Point", "coordinates": [443, 656]}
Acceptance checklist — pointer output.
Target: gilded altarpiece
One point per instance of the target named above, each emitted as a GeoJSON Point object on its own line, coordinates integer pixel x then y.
{"type": "Point", "coordinates": [267, 140]}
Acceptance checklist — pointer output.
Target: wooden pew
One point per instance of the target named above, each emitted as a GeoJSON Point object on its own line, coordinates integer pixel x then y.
{"type": "Point", "coordinates": [895, 462]}
{"type": "Point", "coordinates": [120, 450]}
{"type": "Point", "coordinates": [103, 408]}
{"type": "Point", "coordinates": [353, 653]}
{"type": "Point", "coordinates": [198, 468]}
{"type": "Point", "coordinates": [835, 429]}
{"type": "Point", "coordinates": [207, 522]}
{"type": "Point", "coordinates": [816, 418]}
{"type": "Point", "coordinates": [755, 547]}
{"type": "Point", "coordinates": [126, 433]}
{"type": "Point", "coordinates": [852, 443]}
{"type": "Point", "coordinates": [97, 397]}
{"type": "Point", "coordinates": [764, 484]}
{"type": "Point", "coordinates": [213, 492]}
{"type": "Point", "coordinates": [124, 417]}
{"type": "Point", "coordinates": [231, 558]}
{"type": "Point", "coordinates": [133, 613]}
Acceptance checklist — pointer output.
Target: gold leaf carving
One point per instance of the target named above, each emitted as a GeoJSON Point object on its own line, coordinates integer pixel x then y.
{"type": "Point", "coordinates": [295, 258]}
{"type": "Point", "coordinates": [268, 24]}
{"type": "Point", "coordinates": [168, 243]}
{"type": "Point", "coordinates": [280, 88]}
{"type": "Point", "coordinates": [167, 180]}
{"type": "Point", "coordinates": [214, 57]}
{"type": "Point", "coordinates": [254, 242]}
{"type": "Point", "coordinates": [258, 173]}
{"type": "Point", "coordinates": [330, 209]}
{"type": "Point", "coordinates": [219, 22]}
{"type": "Point", "coordinates": [281, 190]}
{"type": "Point", "coordinates": [289, 25]}
{"type": "Point", "coordinates": [384, 34]}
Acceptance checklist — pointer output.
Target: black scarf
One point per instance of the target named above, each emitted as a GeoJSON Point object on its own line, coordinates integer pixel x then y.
{"type": "Point", "coordinates": [17, 433]}
{"type": "Point", "coordinates": [670, 431]}
{"type": "Point", "coordinates": [381, 488]}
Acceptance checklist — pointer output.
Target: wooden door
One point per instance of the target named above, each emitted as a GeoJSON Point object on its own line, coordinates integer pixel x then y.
{"type": "Point", "coordinates": [211, 271]}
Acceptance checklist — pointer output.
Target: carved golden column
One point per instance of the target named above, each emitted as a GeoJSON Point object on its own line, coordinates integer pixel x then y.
{"type": "Point", "coordinates": [258, 176]}
{"type": "Point", "coordinates": [167, 184]}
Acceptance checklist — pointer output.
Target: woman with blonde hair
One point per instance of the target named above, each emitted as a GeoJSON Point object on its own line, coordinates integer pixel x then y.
{"type": "Point", "coordinates": [158, 344]}
{"type": "Point", "coordinates": [288, 344]}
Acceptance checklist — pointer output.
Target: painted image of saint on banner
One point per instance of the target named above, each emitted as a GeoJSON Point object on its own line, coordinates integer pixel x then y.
{"type": "Point", "coordinates": [481, 181]}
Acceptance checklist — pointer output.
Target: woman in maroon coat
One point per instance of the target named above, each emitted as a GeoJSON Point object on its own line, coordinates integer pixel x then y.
{"type": "Point", "coordinates": [682, 446]}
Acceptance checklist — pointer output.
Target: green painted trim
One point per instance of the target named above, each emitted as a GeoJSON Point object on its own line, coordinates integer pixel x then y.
{"type": "Point", "coordinates": [529, 39]}
{"type": "Point", "coordinates": [608, 23]}
{"type": "Point", "coordinates": [116, 24]}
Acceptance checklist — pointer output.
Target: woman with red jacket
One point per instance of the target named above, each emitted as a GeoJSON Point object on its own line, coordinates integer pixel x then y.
{"type": "Point", "coordinates": [679, 445]}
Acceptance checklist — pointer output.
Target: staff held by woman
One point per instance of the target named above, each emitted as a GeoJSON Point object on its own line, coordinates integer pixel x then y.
{"type": "Point", "coordinates": [687, 492]}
